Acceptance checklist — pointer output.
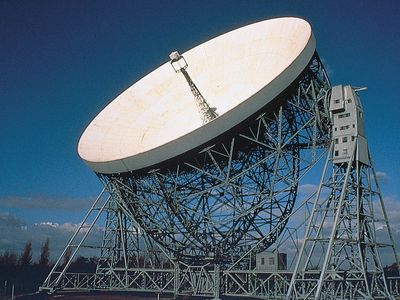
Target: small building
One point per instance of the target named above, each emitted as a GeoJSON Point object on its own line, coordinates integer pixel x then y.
{"type": "Point", "coordinates": [271, 261]}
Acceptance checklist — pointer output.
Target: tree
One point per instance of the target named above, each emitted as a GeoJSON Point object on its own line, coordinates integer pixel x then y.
{"type": "Point", "coordinates": [26, 256]}
{"type": "Point", "coordinates": [8, 259]}
{"type": "Point", "coordinates": [45, 254]}
{"type": "Point", "coordinates": [67, 256]}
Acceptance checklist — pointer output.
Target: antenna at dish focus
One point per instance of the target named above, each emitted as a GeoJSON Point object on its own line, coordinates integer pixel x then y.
{"type": "Point", "coordinates": [206, 112]}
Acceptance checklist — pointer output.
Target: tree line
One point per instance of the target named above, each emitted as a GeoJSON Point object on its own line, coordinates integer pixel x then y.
{"type": "Point", "coordinates": [26, 275]}
{"type": "Point", "coordinates": [21, 271]}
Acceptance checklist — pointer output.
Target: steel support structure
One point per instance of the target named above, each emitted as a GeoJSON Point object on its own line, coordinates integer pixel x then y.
{"type": "Point", "coordinates": [340, 257]}
{"type": "Point", "coordinates": [194, 226]}
{"type": "Point", "coordinates": [129, 259]}
{"type": "Point", "coordinates": [233, 196]}
{"type": "Point", "coordinates": [210, 209]}
{"type": "Point", "coordinates": [75, 244]}
{"type": "Point", "coordinates": [219, 201]}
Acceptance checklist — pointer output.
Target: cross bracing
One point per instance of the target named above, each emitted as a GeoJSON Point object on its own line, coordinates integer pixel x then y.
{"type": "Point", "coordinates": [200, 221]}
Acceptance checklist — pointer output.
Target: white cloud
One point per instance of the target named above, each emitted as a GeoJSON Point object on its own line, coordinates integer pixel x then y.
{"type": "Point", "coordinates": [306, 189]}
{"type": "Point", "coordinates": [16, 232]}
{"type": "Point", "coordinates": [67, 227]}
{"type": "Point", "coordinates": [392, 208]}
{"type": "Point", "coordinates": [382, 177]}
{"type": "Point", "coordinates": [51, 224]}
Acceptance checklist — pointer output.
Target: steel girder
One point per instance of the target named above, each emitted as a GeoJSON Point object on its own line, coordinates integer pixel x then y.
{"type": "Point", "coordinates": [240, 165]}
{"type": "Point", "coordinates": [215, 210]}
{"type": "Point", "coordinates": [234, 197]}
{"type": "Point", "coordinates": [219, 201]}
{"type": "Point", "coordinates": [340, 256]}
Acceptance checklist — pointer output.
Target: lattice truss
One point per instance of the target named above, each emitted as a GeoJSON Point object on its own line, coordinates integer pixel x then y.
{"type": "Point", "coordinates": [206, 113]}
{"type": "Point", "coordinates": [236, 191]}
{"type": "Point", "coordinates": [129, 259]}
{"type": "Point", "coordinates": [125, 249]}
{"type": "Point", "coordinates": [341, 255]}
{"type": "Point", "coordinates": [193, 226]}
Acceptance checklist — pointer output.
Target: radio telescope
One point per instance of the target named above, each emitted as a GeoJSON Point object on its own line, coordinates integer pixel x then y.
{"type": "Point", "coordinates": [203, 161]}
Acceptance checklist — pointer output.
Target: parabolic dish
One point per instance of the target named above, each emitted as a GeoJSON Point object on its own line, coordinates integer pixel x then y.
{"type": "Point", "coordinates": [238, 73]}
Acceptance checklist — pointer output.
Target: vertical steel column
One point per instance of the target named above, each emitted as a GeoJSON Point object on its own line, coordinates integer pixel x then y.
{"type": "Point", "coordinates": [342, 225]}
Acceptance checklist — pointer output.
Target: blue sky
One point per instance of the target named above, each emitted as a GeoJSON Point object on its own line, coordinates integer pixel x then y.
{"type": "Point", "coordinates": [61, 62]}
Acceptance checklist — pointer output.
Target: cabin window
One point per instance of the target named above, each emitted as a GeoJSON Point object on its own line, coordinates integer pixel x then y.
{"type": "Point", "coordinates": [344, 127]}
